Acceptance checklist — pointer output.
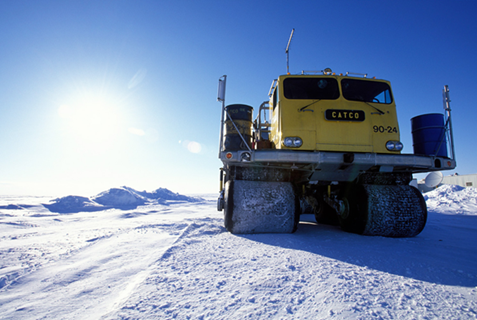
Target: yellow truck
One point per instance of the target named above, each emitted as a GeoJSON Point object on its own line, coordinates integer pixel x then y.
{"type": "Point", "coordinates": [327, 144]}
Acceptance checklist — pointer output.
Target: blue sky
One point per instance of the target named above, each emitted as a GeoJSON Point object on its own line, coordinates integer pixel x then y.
{"type": "Point", "coordinates": [99, 94]}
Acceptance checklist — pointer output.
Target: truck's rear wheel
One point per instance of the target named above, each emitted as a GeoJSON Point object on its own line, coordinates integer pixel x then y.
{"type": "Point", "coordinates": [383, 210]}
{"type": "Point", "coordinates": [260, 207]}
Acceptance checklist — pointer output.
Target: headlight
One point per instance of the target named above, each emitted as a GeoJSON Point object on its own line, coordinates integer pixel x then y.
{"type": "Point", "coordinates": [394, 145]}
{"type": "Point", "coordinates": [292, 142]}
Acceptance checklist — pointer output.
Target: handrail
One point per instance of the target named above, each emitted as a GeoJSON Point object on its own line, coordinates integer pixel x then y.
{"type": "Point", "coordinates": [262, 126]}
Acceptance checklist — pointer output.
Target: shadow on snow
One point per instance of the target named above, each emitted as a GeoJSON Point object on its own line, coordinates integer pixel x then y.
{"type": "Point", "coordinates": [444, 253]}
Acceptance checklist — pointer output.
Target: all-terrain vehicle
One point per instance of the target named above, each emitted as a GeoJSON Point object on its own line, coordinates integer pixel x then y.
{"type": "Point", "coordinates": [328, 144]}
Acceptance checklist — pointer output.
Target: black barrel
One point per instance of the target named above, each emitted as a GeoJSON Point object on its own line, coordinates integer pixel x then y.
{"type": "Point", "coordinates": [241, 115]}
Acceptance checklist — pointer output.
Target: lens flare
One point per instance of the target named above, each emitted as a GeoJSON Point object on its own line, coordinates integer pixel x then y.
{"type": "Point", "coordinates": [194, 147]}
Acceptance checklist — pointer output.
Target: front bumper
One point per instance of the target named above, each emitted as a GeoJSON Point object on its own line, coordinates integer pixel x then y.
{"type": "Point", "coordinates": [337, 166]}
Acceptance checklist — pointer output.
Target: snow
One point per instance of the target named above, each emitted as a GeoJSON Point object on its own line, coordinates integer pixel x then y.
{"type": "Point", "coordinates": [125, 254]}
{"type": "Point", "coordinates": [453, 199]}
{"type": "Point", "coordinates": [120, 198]}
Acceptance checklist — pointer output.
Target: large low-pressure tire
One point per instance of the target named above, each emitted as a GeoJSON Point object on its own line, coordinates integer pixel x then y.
{"type": "Point", "coordinates": [383, 210]}
{"type": "Point", "coordinates": [260, 207]}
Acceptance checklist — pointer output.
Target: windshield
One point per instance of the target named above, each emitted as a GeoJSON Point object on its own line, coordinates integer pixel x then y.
{"type": "Point", "coordinates": [367, 91]}
{"type": "Point", "coordinates": [311, 88]}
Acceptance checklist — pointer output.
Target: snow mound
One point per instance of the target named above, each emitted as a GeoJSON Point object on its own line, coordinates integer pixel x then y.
{"type": "Point", "coordinates": [72, 204]}
{"type": "Point", "coordinates": [164, 195]}
{"type": "Point", "coordinates": [452, 199]}
{"type": "Point", "coordinates": [119, 198]}
{"type": "Point", "coordinates": [123, 198]}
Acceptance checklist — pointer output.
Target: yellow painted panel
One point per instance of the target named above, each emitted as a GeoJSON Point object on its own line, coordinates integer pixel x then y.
{"type": "Point", "coordinates": [306, 118]}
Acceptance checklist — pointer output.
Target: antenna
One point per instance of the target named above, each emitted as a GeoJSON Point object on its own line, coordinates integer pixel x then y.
{"type": "Point", "coordinates": [288, 47]}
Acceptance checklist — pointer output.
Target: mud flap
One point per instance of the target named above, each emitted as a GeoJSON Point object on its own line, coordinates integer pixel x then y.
{"type": "Point", "coordinates": [260, 207]}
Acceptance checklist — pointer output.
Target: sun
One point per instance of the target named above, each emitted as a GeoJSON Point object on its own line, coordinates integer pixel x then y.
{"type": "Point", "coordinates": [91, 118]}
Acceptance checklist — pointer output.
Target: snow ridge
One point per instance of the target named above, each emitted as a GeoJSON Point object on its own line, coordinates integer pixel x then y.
{"type": "Point", "coordinates": [124, 198]}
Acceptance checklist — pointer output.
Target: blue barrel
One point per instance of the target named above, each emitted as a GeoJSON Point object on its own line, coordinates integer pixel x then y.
{"type": "Point", "coordinates": [428, 135]}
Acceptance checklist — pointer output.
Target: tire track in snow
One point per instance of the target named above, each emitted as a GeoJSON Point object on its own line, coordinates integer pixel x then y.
{"type": "Point", "coordinates": [94, 280]}
{"type": "Point", "coordinates": [193, 230]}
{"type": "Point", "coordinates": [210, 273]}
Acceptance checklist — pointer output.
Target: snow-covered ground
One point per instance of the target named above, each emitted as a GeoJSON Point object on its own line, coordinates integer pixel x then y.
{"type": "Point", "coordinates": [125, 254]}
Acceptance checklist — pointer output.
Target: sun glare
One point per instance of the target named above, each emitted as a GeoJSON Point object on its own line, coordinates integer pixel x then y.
{"type": "Point", "coordinates": [91, 118]}
{"type": "Point", "coordinates": [136, 131]}
{"type": "Point", "coordinates": [191, 146]}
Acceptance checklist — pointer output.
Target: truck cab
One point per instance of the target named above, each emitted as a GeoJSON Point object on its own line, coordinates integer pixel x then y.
{"type": "Point", "coordinates": [333, 113]}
